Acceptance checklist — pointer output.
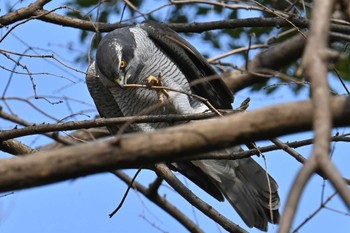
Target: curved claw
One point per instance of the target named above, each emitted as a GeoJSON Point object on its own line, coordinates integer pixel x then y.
{"type": "Point", "coordinates": [153, 81]}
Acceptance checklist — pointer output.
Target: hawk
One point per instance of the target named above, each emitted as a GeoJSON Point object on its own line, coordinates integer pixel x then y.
{"type": "Point", "coordinates": [150, 54]}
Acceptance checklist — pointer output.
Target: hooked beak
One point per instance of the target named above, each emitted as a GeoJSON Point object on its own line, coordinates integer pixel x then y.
{"type": "Point", "coordinates": [121, 79]}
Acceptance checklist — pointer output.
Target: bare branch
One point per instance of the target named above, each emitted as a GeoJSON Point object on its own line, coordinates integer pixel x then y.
{"type": "Point", "coordinates": [22, 13]}
{"type": "Point", "coordinates": [274, 58]}
{"type": "Point", "coordinates": [61, 160]}
{"type": "Point", "coordinates": [161, 202]}
{"type": "Point", "coordinates": [298, 156]}
{"type": "Point", "coordinates": [163, 145]}
{"type": "Point", "coordinates": [315, 63]}
{"type": "Point", "coordinates": [20, 121]}
{"type": "Point", "coordinates": [15, 147]}
{"type": "Point", "coordinates": [164, 172]}
{"type": "Point", "coordinates": [83, 135]}
{"type": "Point", "coordinates": [100, 122]}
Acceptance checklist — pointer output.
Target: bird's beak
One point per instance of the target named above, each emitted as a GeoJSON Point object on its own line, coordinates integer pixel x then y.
{"type": "Point", "coordinates": [121, 79]}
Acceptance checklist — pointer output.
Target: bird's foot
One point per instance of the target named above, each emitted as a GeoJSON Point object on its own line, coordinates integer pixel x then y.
{"type": "Point", "coordinates": [157, 82]}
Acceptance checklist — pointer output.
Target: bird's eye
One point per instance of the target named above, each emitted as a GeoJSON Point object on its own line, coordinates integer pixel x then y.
{"type": "Point", "coordinates": [122, 64]}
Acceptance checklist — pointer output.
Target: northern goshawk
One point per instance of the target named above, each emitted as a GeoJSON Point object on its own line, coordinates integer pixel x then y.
{"type": "Point", "coordinates": [153, 54]}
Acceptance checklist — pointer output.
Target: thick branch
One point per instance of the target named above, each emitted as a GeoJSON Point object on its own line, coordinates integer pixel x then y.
{"type": "Point", "coordinates": [274, 58]}
{"type": "Point", "coordinates": [15, 147]}
{"type": "Point", "coordinates": [163, 145]}
{"type": "Point", "coordinates": [22, 13]}
{"type": "Point", "coordinates": [35, 9]}
{"type": "Point", "coordinates": [315, 64]}
{"type": "Point", "coordinates": [250, 22]}
{"type": "Point", "coordinates": [77, 23]}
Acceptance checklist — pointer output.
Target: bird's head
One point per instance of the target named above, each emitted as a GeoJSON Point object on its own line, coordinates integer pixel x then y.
{"type": "Point", "coordinates": [115, 57]}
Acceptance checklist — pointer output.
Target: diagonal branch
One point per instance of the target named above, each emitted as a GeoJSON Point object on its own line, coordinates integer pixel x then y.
{"type": "Point", "coordinates": [151, 193]}
{"type": "Point", "coordinates": [15, 147]}
{"type": "Point", "coordinates": [299, 157]}
{"type": "Point", "coordinates": [22, 13]}
{"type": "Point", "coordinates": [161, 202]}
{"type": "Point", "coordinates": [164, 172]}
{"type": "Point", "coordinates": [274, 58]}
{"type": "Point", "coordinates": [168, 144]}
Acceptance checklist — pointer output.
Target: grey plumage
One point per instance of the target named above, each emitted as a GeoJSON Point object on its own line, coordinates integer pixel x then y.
{"type": "Point", "coordinates": [129, 56]}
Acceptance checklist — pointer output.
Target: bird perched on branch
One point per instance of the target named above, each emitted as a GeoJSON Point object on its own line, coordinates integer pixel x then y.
{"type": "Point", "coordinates": [160, 66]}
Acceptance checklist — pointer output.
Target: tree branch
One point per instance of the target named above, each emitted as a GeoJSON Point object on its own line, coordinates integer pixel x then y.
{"type": "Point", "coordinates": [22, 13]}
{"type": "Point", "coordinates": [15, 147]}
{"type": "Point", "coordinates": [35, 9]}
{"type": "Point", "coordinates": [83, 135]}
{"type": "Point", "coordinates": [274, 58]}
{"type": "Point", "coordinates": [20, 121]}
{"type": "Point", "coordinates": [299, 157]}
{"type": "Point", "coordinates": [315, 64]}
{"type": "Point", "coordinates": [168, 144]}
{"type": "Point", "coordinates": [161, 202]}
{"type": "Point", "coordinates": [163, 171]}
{"type": "Point", "coordinates": [100, 122]}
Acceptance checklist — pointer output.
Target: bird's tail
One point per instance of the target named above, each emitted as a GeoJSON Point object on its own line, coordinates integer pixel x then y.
{"type": "Point", "coordinates": [247, 187]}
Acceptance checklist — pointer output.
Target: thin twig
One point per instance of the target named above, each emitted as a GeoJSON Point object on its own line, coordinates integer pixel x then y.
{"type": "Point", "coordinates": [20, 121]}
{"type": "Point", "coordinates": [161, 202]}
{"type": "Point", "coordinates": [125, 194]}
{"type": "Point", "coordinates": [322, 206]}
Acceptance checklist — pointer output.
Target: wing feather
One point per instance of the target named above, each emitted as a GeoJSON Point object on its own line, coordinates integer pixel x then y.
{"type": "Point", "coordinates": [104, 100]}
{"type": "Point", "coordinates": [192, 64]}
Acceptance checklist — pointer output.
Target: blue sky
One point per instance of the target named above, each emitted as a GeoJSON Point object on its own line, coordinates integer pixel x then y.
{"type": "Point", "coordinates": [83, 204]}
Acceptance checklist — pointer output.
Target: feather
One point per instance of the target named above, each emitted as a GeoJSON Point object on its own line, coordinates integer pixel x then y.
{"type": "Point", "coordinates": [246, 185]}
{"type": "Point", "coordinates": [103, 99]}
{"type": "Point", "coordinates": [191, 63]}
{"type": "Point", "coordinates": [152, 49]}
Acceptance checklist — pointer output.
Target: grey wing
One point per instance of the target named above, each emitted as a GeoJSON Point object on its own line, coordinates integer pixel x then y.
{"type": "Point", "coordinates": [108, 107]}
{"type": "Point", "coordinates": [104, 100]}
{"type": "Point", "coordinates": [193, 65]}
{"type": "Point", "coordinates": [244, 183]}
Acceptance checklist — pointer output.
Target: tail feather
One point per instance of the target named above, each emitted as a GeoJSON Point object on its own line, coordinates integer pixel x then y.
{"type": "Point", "coordinates": [256, 176]}
{"type": "Point", "coordinates": [245, 202]}
{"type": "Point", "coordinates": [197, 176]}
{"type": "Point", "coordinates": [247, 187]}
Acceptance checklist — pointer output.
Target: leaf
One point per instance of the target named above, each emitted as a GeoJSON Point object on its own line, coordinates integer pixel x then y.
{"type": "Point", "coordinates": [103, 16]}
{"type": "Point", "coordinates": [343, 68]}
{"type": "Point", "coordinates": [203, 10]}
{"type": "Point", "coordinates": [87, 3]}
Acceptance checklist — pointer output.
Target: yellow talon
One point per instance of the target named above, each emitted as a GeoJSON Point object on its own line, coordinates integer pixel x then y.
{"type": "Point", "coordinates": [153, 81]}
